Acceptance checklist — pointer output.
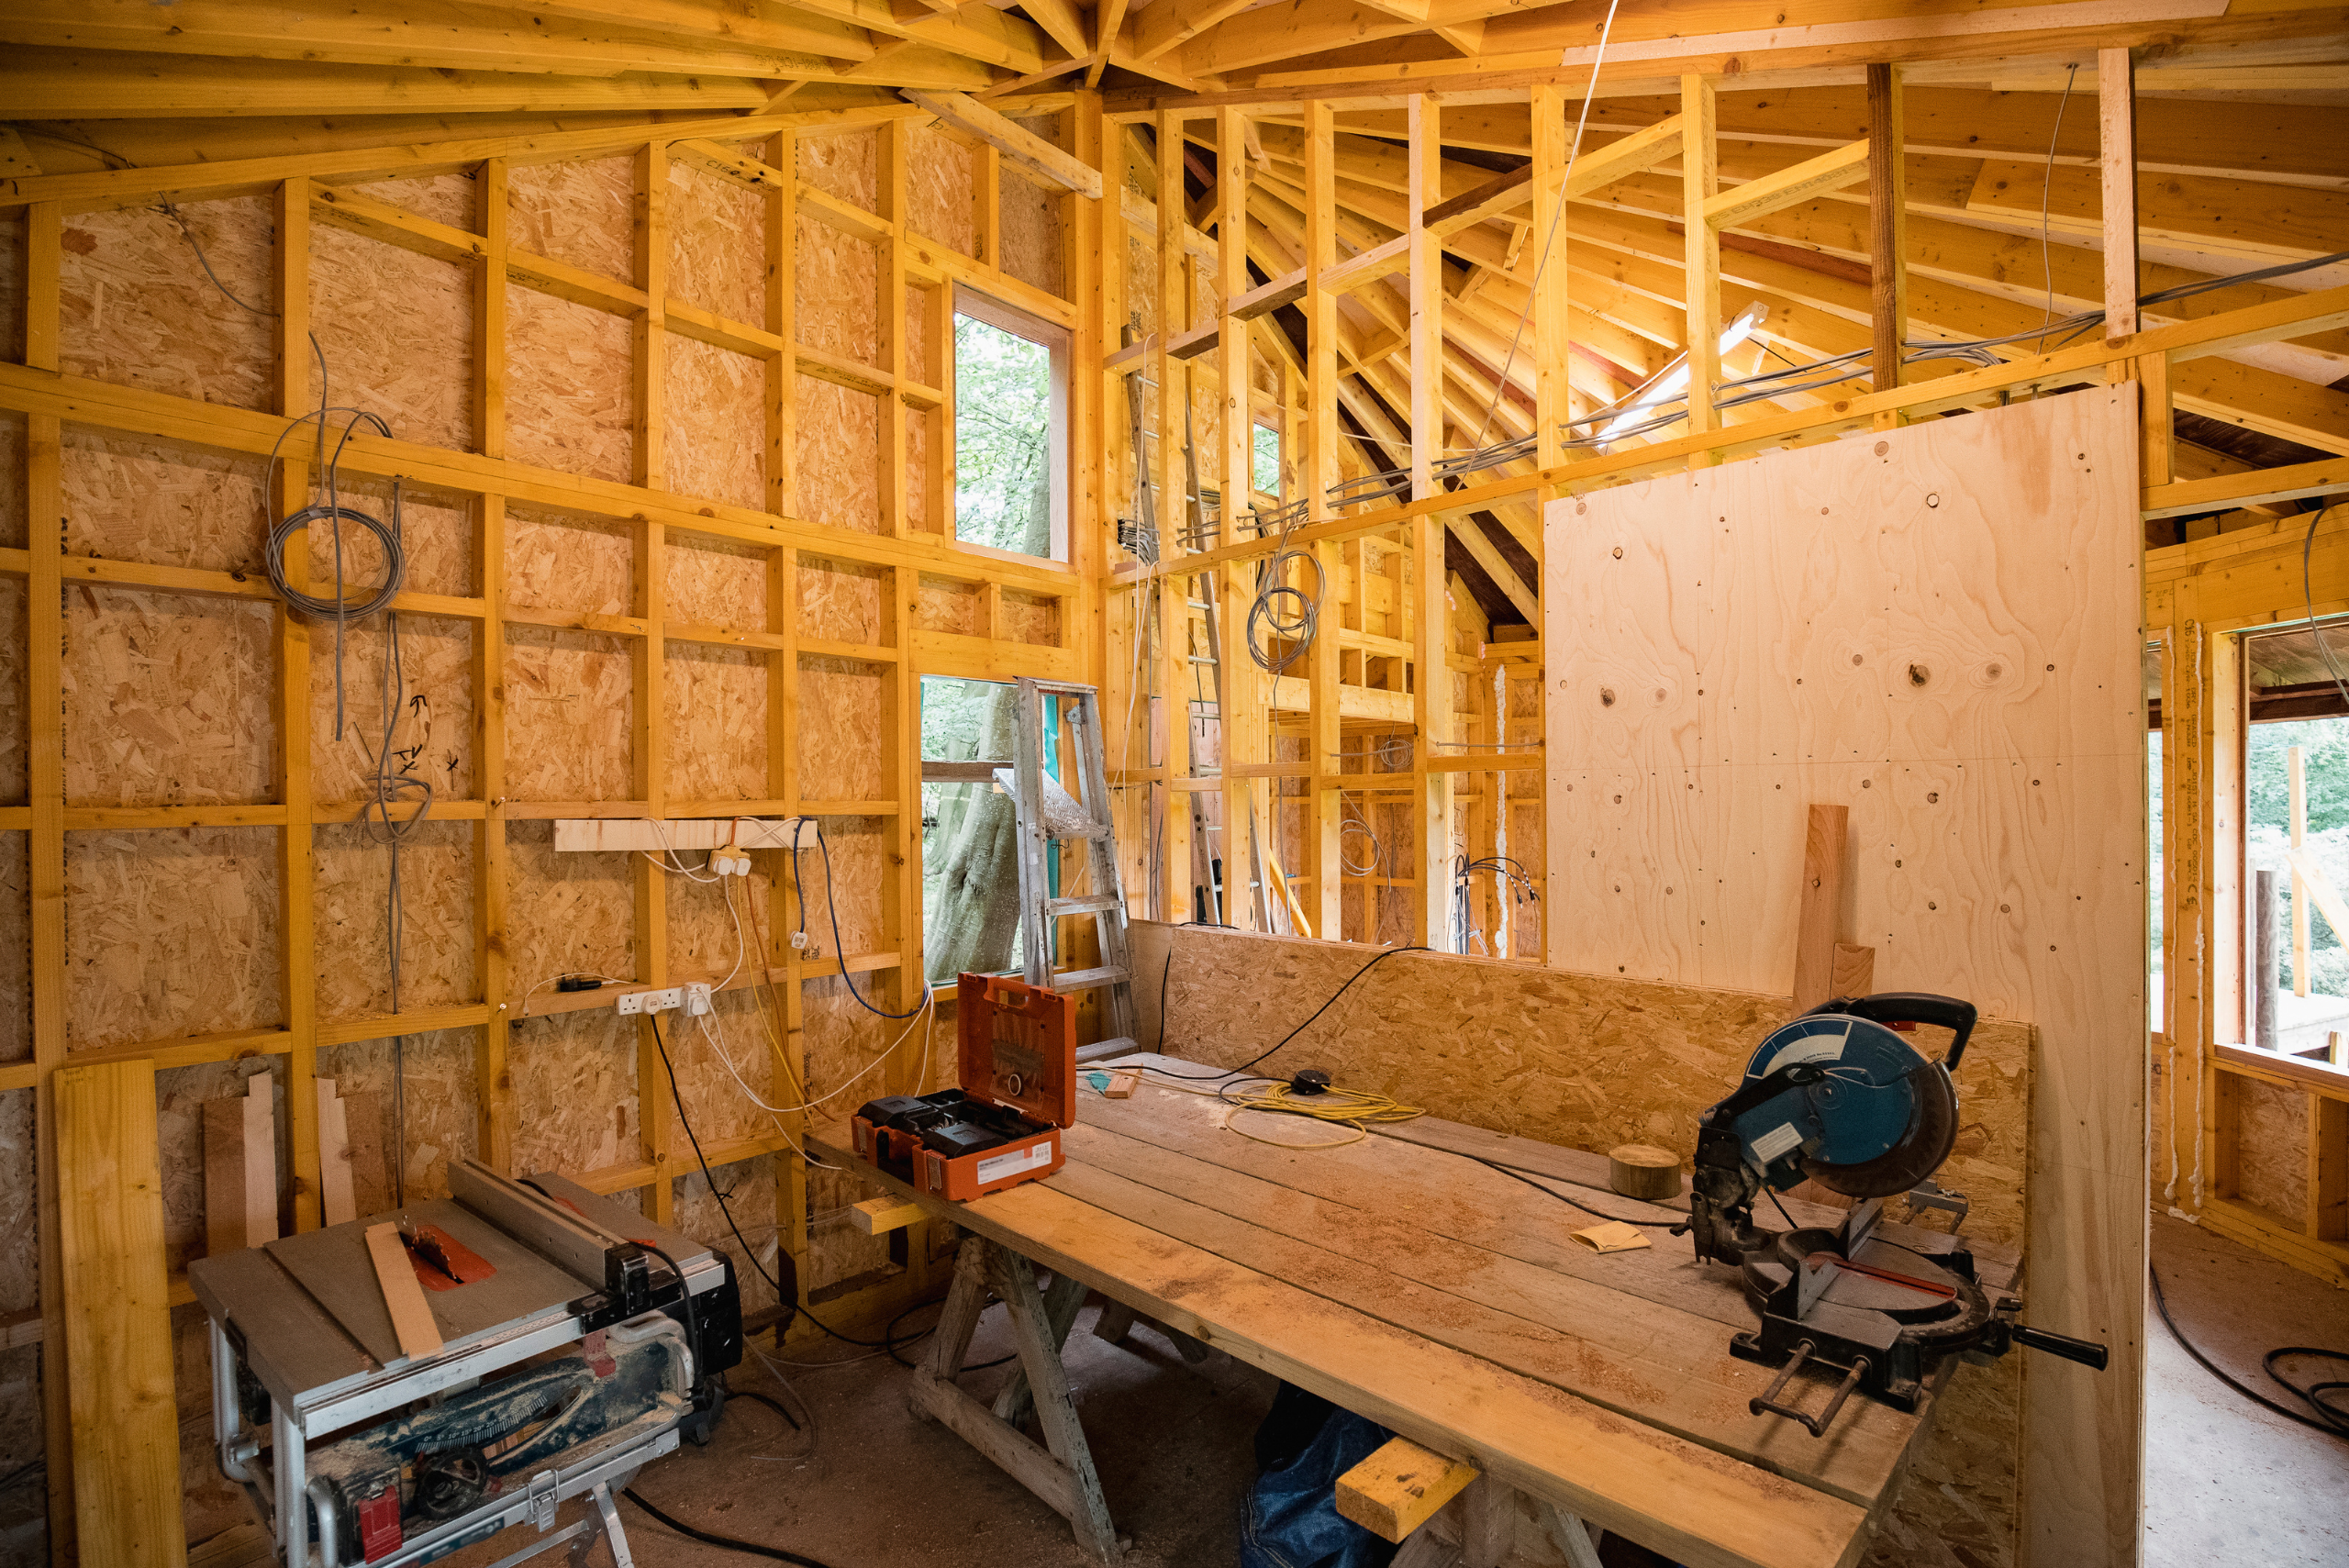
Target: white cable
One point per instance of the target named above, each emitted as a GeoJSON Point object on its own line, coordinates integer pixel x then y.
{"type": "Point", "coordinates": [671, 863]}
{"type": "Point", "coordinates": [928, 1008]}
{"type": "Point", "coordinates": [568, 975]}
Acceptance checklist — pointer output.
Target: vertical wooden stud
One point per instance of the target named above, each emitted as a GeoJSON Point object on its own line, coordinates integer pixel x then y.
{"type": "Point", "coordinates": [649, 722]}
{"type": "Point", "coordinates": [892, 317]}
{"type": "Point", "coordinates": [2328, 1169]}
{"type": "Point", "coordinates": [651, 328]}
{"type": "Point", "coordinates": [489, 310]}
{"type": "Point", "coordinates": [782, 306]}
{"type": "Point", "coordinates": [290, 703]}
{"type": "Point", "coordinates": [1173, 377]}
{"type": "Point", "coordinates": [1239, 695]}
{"type": "Point", "coordinates": [1699, 179]}
{"type": "Point", "coordinates": [1888, 233]}
{"type": "Point", "coordinates": [2117, 162]}
{"type": "Point", "coordinates": [1548, 239]}
{"type": "Point", "coordinates": [1430, 591]}
{"type": "Point", "coordinates": [1319, 472]}
{"type": "Point", "coordinates": [493, 1075]}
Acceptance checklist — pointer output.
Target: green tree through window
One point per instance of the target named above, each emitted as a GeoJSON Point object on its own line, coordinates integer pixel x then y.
{"type": "Point", "coordinates": [1003, 439]}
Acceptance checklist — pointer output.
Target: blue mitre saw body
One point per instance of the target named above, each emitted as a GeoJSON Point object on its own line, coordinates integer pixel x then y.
{"type": "Point", "coordinates": [1859, 1109]}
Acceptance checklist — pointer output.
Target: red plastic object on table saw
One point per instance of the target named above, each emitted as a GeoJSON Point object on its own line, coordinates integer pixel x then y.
{"type": "Point", "coordinates": [1015, 1047]}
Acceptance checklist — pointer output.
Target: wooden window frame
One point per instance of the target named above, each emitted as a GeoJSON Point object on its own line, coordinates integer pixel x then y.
{"type": "Point", "coordinates": [1056, 341]}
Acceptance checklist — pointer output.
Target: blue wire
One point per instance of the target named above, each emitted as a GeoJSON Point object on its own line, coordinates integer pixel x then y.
{"type": "Point", "coordinates": [840, 952]}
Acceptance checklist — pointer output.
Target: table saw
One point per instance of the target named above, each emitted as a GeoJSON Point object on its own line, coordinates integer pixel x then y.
{"type": "Point", "coordinates": [578, 1339]}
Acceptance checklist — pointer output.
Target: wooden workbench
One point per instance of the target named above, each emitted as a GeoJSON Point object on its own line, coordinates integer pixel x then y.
{"type": "Point", "coordinates": [1448, 1301]}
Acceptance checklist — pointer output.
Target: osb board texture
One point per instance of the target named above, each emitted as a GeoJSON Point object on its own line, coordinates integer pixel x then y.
{"type": "Point", "coordinates": [838, 305]}
{"type": "Point", "coordinates": [1588, 1062]}
{"type": "Point", "coordinates": [1958, 1506]}
{"type": "Point", "coordinates": [436, 660]}
{"type": "Point", "coordinates": [703, 937]}
{"type": "Point", "coordinates": [716, 422]}
{"type": "Point", "coordinates": [2271, 1149]}
{"type": "Point", "coordinates": [568, 701]}
{"type": "Point", "coordinates": [15, 646]}
{"type": "Point", "coordinates": [567, 561]}
{"type": "Point", "coordinates": [716, 700]}
{"type": "Point", "coordinates": [860, 859]}
{"type": "Point", "coordinates": [167, 698]}
{"type": "Point", "coordinates": [352, 934]}
{"type": "Point", "coordinates": [1026, 617]}
{"type": "Point", "coordinates": [715, 582]}
{"type": "Point", "coordinates": [841, 717]}
{"type": "Point", "coordinates": [570, 386]}
{"type": "Point", "coordinates": [12, 475]}
{"type": "Point", "coordinates": [714, 1101]}
{"type": "Point", "coordinates": [20, 1411]}
{"type": "Point", "coordinates": [1032, 252]}
{"type": "Point", "coordinates": [437, 533]}
{"type": "Point", "coordinates": [917, 338]}
{"type": "Point", "coordinates": [942, 171]}
{"type": "Point", "coordinates": [717, 244]}
{"type": "Point", "coordinates": [163, 503]}
{"type": "Point", "coordinates": [941, 603]}
{"type": "Point", "coordinates": [917, 467]}
{"type": "Point", "coordinates": [565, 913]}
{"type": "Point", "coordinates": [180, 1096]}
{"type": "Point", "coordinates": [839, 455]}
{"type": "Point", "coordinates": [172, 931]}
{"type": "Point", "coordinates": [582, 213]}
{"type": "Point", "coordinates": [835, 1251]}
{"type": "Point", "coordinates": [750, 1190]}
{"type": "Point", "coordinates": [443, 1094]}
{"type": "Point", "coordinates": [396, 330]}
{"type": "Point", "coordinates": [16, 949]}
{"type": "Point", "coordinates": [209, 1502]}
{"type": "Point", "coordinates": [453, 198]}
{"type": "Point", "coordinates": [847, 165]}
{"type": "Point", "coordinates": [575, 1092]}
{"type": "Point", "coordinates": [839, 601]}
{"type": "Point", "coordinates": [136, 309]}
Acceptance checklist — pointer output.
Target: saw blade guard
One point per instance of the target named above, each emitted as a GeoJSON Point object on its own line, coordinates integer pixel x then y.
{"type": "Point", "coordinates": [1872, 1115]}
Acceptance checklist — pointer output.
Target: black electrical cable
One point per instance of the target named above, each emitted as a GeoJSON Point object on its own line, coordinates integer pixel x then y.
{"type": "Point", "coordinates": [772, 1404]}
{"type": "Point", "coordinates": [1673, 1216]}
{"type": "Point", "coordinates": [890, 1335]}
{"type": "Point", "coordinates": [708, 1538]}
{"type": "Point", "coordinates": [799, 897]}
{"type": "Point", "coordinates": [1232, 1072]}
{"type": "Point", "coordinates": [2334, 1421]}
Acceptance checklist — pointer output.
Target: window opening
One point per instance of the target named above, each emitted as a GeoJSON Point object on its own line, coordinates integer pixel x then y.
{"type": "Point", "coordinates": [2296, 839]}
{"type": "Point", "coordinates": [970, 865]}
{"type": "Point", "coordinates": [1265, 473]}
{"type": "Point", "coordinates": [1010, 441]}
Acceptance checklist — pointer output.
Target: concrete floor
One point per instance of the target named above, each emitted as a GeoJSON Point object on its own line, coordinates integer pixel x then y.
{"type": "Point", "coordinates": [2226, 1481]}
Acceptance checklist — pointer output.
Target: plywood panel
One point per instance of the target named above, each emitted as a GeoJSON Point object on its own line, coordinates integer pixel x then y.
{"type": "Point", "coordinates": [352, 933]}
{"type": "Point", "coordinates": [717, 722]}
{"type": "Point", "coordinates": [570, 387]}
{"type": "Point", "coordinates": [161, 501]}
{"type": "Point", "coordinates": [435, 655]}
{"type": "Point", "coordinates": [396, 330]}
{"type": "Point", "coordinates": [716, 424]}
{"type": "Point", "coordinates": [841, 716]}
{"type": "Point", "coordinates": [1027, 617]}
{"type": "Point", "coordinates": [1032, 229]}
{"type": "Point", "coordinates": [136, 309]}
{"type": "Point", "coordinates": [174, 932]}
{"type": "Point", "coordinates": [166, 698]}
{"type": "Point", "coordinates": [717, 244]}
{"type": "Point", "coordinates": [712, 582]}
{"type": "Point", "coordinates": [838, 281]}
{"type": "Point", "coordinates": [941, 175]}
{"type": "Point", "coordinates": [577, 212]}
{"type": "Point", "coordinates": [567, 704]}
{"type": "Point", "coordinates": [442, 1120]}
{"type": "Point", "coordinates": [2271, 1149]}
{"type": "Point", "coordinates": [568, 561]}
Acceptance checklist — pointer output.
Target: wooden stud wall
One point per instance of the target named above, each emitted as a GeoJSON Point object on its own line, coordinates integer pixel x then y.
{"type": "Point", "coordinates": [697, 576]}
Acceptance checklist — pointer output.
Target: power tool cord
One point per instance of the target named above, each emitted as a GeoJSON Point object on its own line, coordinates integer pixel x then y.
{"type": "Point", "coordinates": [707, 1538]}
{"type": "Point", "coordinates": [1234, 1071]}
{"type": "Point", "coordinates": [2331, 1419]}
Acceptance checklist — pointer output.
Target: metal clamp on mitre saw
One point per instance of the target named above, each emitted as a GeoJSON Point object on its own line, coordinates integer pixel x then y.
{"type": "Point", "coordinates": [1838, 1098]}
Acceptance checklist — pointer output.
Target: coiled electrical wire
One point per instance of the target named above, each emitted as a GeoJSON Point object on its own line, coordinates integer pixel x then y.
{"type": "Point", "coordinates": [1282, 610]}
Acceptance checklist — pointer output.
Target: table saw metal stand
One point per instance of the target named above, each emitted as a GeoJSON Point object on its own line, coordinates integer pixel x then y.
{"type": "Point", "coordinates": [1060, 1469]}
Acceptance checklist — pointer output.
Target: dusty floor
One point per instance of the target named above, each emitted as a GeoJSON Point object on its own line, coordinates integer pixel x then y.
{"type": "Point", "coordinates": [870, 1486]}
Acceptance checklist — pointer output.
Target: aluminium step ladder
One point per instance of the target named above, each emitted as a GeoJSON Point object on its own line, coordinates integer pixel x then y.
{"type": "Point", "coordinates": [1045, 812]}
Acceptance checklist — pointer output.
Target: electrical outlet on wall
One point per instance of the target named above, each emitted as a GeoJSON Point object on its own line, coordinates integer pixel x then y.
{"type": "Point", "coordinates": [661, 1001]}
{"type": "Point", "coordinates": [631, 1002]}
{"type": "Point", "coordinates": [697, 998]}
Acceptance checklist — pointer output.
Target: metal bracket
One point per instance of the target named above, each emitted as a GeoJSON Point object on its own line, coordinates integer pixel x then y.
{"type": "Point", "coordinates": [541, 1494]}
{"type": "Point", "coordinates": [1929, 1194]}
{"type": "Point", "coordinates": [1817, 1425]}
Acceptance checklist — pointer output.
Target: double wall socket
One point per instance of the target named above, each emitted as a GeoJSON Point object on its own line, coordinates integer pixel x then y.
{"type": "Point", "coordinates": [652, 1001]}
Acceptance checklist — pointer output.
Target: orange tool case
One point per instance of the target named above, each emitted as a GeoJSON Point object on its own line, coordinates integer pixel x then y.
{"type": "Point", "coordinates": [1016, 1050]}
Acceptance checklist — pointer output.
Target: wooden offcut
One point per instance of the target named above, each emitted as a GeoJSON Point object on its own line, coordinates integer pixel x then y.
{"type": "Point", "coordinates": [1644, 1170]}
{"type": "Point", "coordinates": [403, 1296]}
{"type": "Point", "coordinates": [1822, 903]}
{"type": "Point", "coordinates": [1398, 1488]}
{"type": "Point", "coordinates": [126, 1448]}
{"type": "Point", "coordinates": [1854, 971]}
{"type": "Point", "coordinates": [879, 1216]}
{"type": "Point", "coordinates": [336, 1199]}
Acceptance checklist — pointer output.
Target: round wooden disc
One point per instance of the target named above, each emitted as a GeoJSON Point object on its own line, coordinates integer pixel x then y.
{"type": "Point", "coordinates": [1644, 1170]}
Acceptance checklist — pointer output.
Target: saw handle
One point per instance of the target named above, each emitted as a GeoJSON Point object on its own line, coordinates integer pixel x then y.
{"type": "Point", "coordinates": [1889, 1008]}
{"type": "Point", "coordinates": [2087, 1352]}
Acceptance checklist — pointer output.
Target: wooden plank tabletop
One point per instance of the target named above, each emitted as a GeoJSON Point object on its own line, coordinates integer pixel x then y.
{"type": "Point", "coordinates": [1449, 1302]}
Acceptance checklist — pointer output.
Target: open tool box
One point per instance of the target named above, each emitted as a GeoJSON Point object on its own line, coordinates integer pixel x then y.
{"type": "Point", "coordinates": [1016, 1048]}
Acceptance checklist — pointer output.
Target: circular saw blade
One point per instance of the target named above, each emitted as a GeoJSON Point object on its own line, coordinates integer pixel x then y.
{"type": "Point", "coordinates": [1933, 1133]}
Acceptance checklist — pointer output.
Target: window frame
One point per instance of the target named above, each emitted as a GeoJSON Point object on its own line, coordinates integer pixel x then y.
{"type": "Point", "coordinates": [1056, 342]}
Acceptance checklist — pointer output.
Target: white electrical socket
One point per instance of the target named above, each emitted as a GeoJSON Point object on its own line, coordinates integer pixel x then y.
{"type": "Point", "coordinates": [631, 1002]}
{"type": "Point", "coordinates": [697, 998]}
{"type": "Point", "coordinates": [661, 1001]}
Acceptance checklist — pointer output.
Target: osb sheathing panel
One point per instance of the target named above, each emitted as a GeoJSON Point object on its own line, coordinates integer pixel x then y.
{"type": "Point", "coordinates": [717, 244]}
{"type": "Point", "coordinates": [839, 601]}
{"type": "Point", "coordinates": [717, 699]}
{"type": "Point", "coordinates": [716, 424]}
{"type": "Point", "coordinates": [436, 661]}
{"type": "Point", "coordinates": [170, 932]}
{"type": "Point", "coordinates": [442, 1094]}
{"type": "Point", "coordinates": [570, 386]}
{"type": "Point", "coordinates": [1027, 617]}
{"type": "Point", "coordinates": [716, 582]}
{"type": "Point", "coordinates": [838, 285]}
{"type": "Point", "coordinates": [396, 330]}
{"type": "Point", "coordinates": [702, 935]}
{"type": "Point", "coordinates": [453, 198]}
{"type": "Point", "coordinates": [16, 949]}
{"type": "Point", "coordinates": [839, 455]}
{"type": "Point", "coordinates": [859, 861]}
{"type": "Point", "coordinates": [180, 1095]}
{"type": "Point", "coordinates": [163, 503]}
{"type": "Point", "coordinates": [750, 1194]}
{"type": "Point", "coordinates": [941, 603]}
{"type": "Point", "coordinates": [2271, 1142]}
{"type": "Point", "coordinates": [583, 213]}
{"type": "Point", "coordinates": [568, 704]}
{"type": "Point", "coordinates": [436, 927]}
{"type": "Point", "coordinates": [575, 1092]}
{"type": "Point", "coordinates": [1958, 1507]}
{"type": "Point", "coordinates": [841, 718]}
{"type": "Point", "coordinates": [13, 640]}
{"type": "Point", "coordinates": [166, 698]}
{"type": "Point", "coordinates": [566, 561]}
{"type": "Point", "coordinates": [12, 475]}
{"type": "Point", "coordinates": [20, 1412]}
{"type": "Point", "coordinates": [838, 1252]}
{"type": "Point", "coordinates": [565, 912]}
{"type": "Point", "coordinates": [1588, 1062]}
{"type": "Point", "coordinates": [714, 1101]}
{"type": "Point", "coordinates": [136, 309]}
{"type": "Point", "coordinates": [436, 531]}
{"type": "Point", "coordinates": [942, 171]}
{"type": "Point", "coordinates": [917, 467]}
{"type": "Point", "coordinates": [12, 284]}
{"type": "Point", "coordinates": [847, 165]}
{"type": "Point", "coordinates": [1031, 231]}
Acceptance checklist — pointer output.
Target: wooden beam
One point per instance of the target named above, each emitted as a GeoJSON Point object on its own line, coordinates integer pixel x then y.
{"type": "Point", "coordinates": [1503, 194]}
{"type": "Point", "coordinates": [1703, 241]}
{"type": "Point", "coordinates": [1023, 147]}
{"type": "Point", "coordinates": [117, 1310]}
{"type": "Point", "coordinates": [1888, 228]}
{"type": "Point", "coordinates": [1553, 344]}
{"type": "Point", "coordinates": [1822, 903]}
{"type": "Point", "coordinates": [2117, 163]}
{"type": "Point", "coordinates": [2329, 476]}
{"type": "Point", "coordinates": [1831, 171]}
{"type": "Point", "coordinates": [1399, 1489]}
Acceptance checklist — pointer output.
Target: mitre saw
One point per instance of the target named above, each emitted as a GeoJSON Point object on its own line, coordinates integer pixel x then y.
{"type": "Point", "coordinates": [1839, 1097]}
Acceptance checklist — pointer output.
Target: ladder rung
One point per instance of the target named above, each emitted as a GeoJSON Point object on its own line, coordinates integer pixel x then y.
{"type": "Point", "coordinates": [1087, 979]}
{"type": "Point", "coordinates": [1089, 904]}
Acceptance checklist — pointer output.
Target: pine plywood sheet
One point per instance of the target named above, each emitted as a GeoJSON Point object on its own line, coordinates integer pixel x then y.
{"type": "Point", "coordinates": [942, 604]}
{"type": "Point", "coordinates": [714, 582]}
{"type": "Point", "coordinates": [439, 1070]}
{"type": "Point", "coordinates": [167, 698]}
{"type": "Point", "coordinates": [180, 1096]}
{"type": "Point", "coordinates": [163, 502]}
{"type": "Point", "coordinates": [839, 601]}
{"type": "Point", "coordinates": [136, 309]}
{"type": "Point", "coordinates": [570, 386]}
{"type": "Point", "coordinates": [174, 932]}
{"type": "Point", "coordinates": [397, 329]}
{"type": "Point", "coordinates": [839, 455]}
{"type": "Point", "coordinates": [717, 244]}
{"type": "Point", "coordinates": [581, 212]}
{"type": "Point", "coordinates": [846, 164]}
{"type": "Point", "coordinates": [841, 718]}
{"type": "Point", "coordinates": [2271, 1148]}
{"type": "Point", "coordinates": [569, 561]}
{"type": "Point", "coordinates": [351, 936]}
{"type": "Point", "coordinates": [1032, 250]}
{"type": "Point", "coordinates": [16, 949]}
{"type": "Point", "coordinates": [941, 173]}
{"type": "Point", "coordinates": [716, 424]}
{"type": "Point", "coordinates": [435, 664]}
{"type": "Point", "coordinates": [452, 198]}
{"type": "Point", "coordinates": [565, 912]}
{"type": "Point", "coordinates": [750, 1190]}
{"type": "Point", "coordinates": [717, 699]}
{"type": "Point", "coordinates": [568, 706]}
{"type": "Point", "coordinates": [15, 641]}
{"type": "Point", "coordinates": [575, 1092]}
